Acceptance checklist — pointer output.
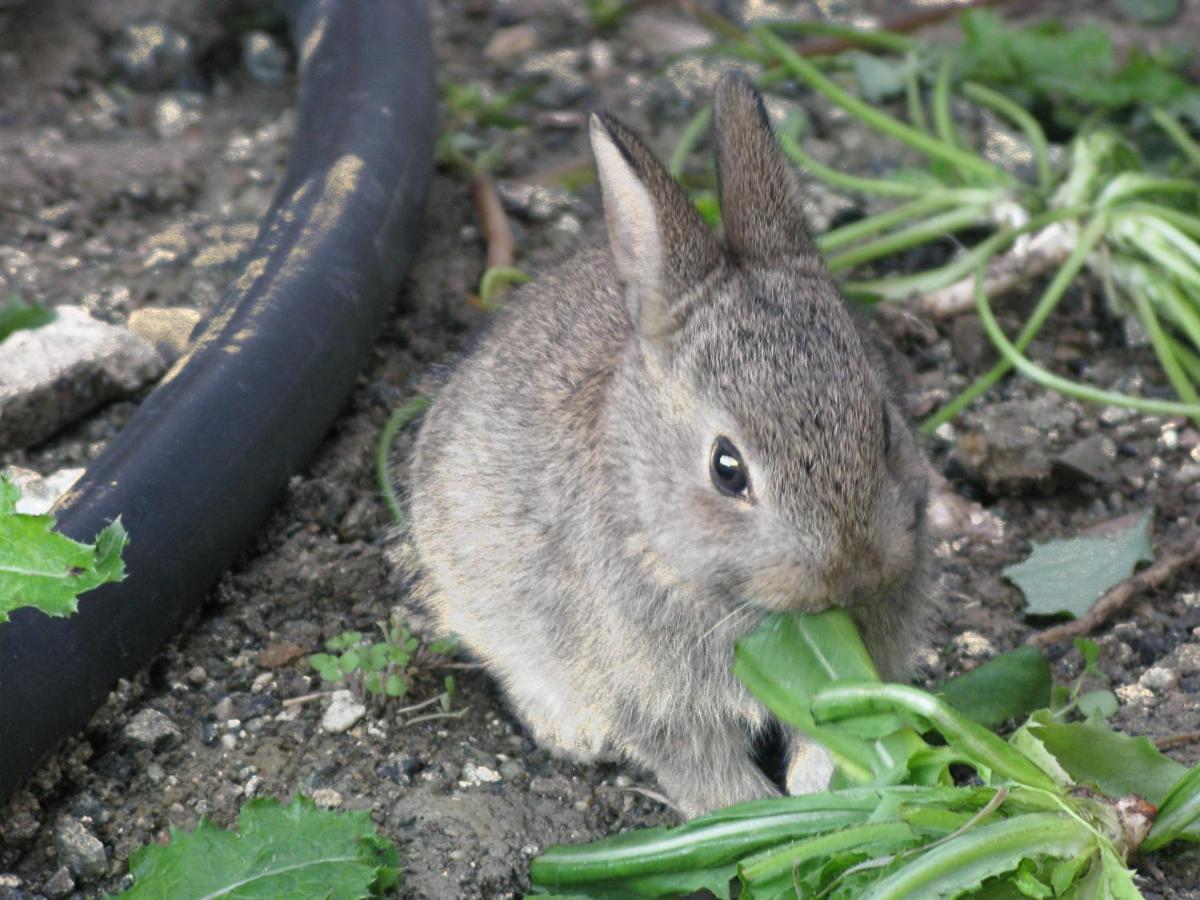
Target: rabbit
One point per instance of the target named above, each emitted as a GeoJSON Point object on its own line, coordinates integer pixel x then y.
{"type": "Point", "coordinates": [655, 446]}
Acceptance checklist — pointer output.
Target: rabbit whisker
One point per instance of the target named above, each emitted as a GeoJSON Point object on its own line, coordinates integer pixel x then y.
{"type": "Point", "coordinates": [721, 621]}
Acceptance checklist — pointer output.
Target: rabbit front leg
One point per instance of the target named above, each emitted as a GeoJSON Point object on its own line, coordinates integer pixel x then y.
{"type": "Point", "coordinates": [706, 769]}
{"type": "Point", "coordinates": [809, 766]}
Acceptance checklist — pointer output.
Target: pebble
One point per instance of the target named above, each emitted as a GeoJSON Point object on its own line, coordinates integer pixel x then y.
{"type": "Point", "coordinates": [168, 329]}
{"type": "Point", "coordinates": [1134, 694]}
{"type": "Point", "coordinates": [473, 775]}
{"type": "Point", "coordinates": [60, 884]}
{"type": "Point", "coordinates": [52, 375]}
{"type": "Point", "coordinates": [973, 645]}
{"type": "Point", "coordinates": [1091, 458]}
{"type": "Point", "coordinates": [662, 35]}
{"type": "Point", "coordinates": [1159, 679]}
{"type": "Point", "coordinates": [1187, 473]}
{"type": "Point", "coordinates": [149, 54]}
{"type": "Point", "coordinates": [534, 202]}
{"type": "Point", "coordinates": [229, 741]}
{"type": "Point", "coordinates": [176, 113]}
{"type": "Point", "coordinates": [511, 43]}
{"type": "Point", "coordinates": [152, 730]}
{"type": "Point", "coordinates": [196, 676]}
{"type": "Point", "coordinates": [342, 713]}
{"type": "Point", "coordinates": [1187, 659]}
{"type": "Point", "coordinates": [263, 58]}
{"type": "Point", "coordinates": [38, 494]}
{"type": "Point", "coordinates": [327, 798]}
{"type": "Point", "coordinates": [80, 850]}
{"type": "Point", "coordinates": [566, 85]}
{"type": "Point", "coordinates": [512, 769]}
{"type": "Point", "coordinates": [224, 709]}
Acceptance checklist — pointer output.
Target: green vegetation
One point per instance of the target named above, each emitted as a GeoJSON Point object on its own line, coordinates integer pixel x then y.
{"type": "Point", "coordinates": [16, 315]}
{"type": "Point", "coordinates": [1056, 810]}
{"type": "Point", "coordinates": [277, 851]}
{"type": "Point", "coordinates": [48, 571]}
{"type": "Point", "coordinates": [379, 669]}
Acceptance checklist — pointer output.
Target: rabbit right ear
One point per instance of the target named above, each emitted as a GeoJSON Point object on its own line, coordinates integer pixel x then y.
{"type": "Point", "coordinates": [660, 244]}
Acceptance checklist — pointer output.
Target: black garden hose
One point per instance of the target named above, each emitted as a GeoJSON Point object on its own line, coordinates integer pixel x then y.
{"type": "Point", "coordinates": [200, 464]}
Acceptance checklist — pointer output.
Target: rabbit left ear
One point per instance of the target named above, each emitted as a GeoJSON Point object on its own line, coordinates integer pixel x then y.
{"type": "Point", "coordinates": [760, 199]}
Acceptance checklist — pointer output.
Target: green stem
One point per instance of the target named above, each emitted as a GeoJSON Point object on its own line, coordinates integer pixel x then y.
{"type": "Point", "coordinates": [1185, 222]}
{"type": "Point", "coordinates": [1189, 360]}
{"type": "Point", "coordinates": [1088, 240]}
{"type": "Point", "coordinates": [1002, 105]}
{"type": "Point", "coordinates": [687, 141]}
{"type": "Point", "coordinates": [803, 69]}
{"type": "Point", "coordinates": [412, 408]}
{"type": "Point", "coordinates": [1166, 357]}
{"type": "Point", "coordinates": [1133, 184]}
{"type": "Point", "coordinates": [854, 183]}
{"type": "Point", "coordinates": [1178, 134]}
{"type": "Point", "coordinates": [495, 280]}
{"type": "Point", "coordinates": [1040, 376]}
{"type": "Point", "coordinates": [877, 39]}
{"type": "Point", "coordinates": [934, 227]}
{"type": "Point", "coordinates": [780, 861]}
{"type": "Point", "coordinates": [872, 225]}
{"type": "Point", "coordinates": [912, 93]}
{"type": "Point", "coordinates": [943, 118]}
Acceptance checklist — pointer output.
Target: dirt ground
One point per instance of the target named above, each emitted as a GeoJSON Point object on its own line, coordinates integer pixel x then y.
{"type": "Point", "coordinates": [118, 197]}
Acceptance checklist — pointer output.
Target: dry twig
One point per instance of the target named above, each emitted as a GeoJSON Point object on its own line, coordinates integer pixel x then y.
{"type": "Point", "coordinates": [1184, 554]}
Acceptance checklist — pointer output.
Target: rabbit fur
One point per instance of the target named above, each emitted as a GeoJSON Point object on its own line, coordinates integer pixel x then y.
{"type": "Point", "coordinates": [562, 494]}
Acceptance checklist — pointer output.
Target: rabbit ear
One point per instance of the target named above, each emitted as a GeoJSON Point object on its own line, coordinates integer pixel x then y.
{"type": "Point", "coordinates": [661, 245]}
{"type": "Point", "coordinates": [760, 200]}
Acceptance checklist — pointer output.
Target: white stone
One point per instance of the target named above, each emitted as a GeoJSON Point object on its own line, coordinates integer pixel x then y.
{"type": "Point", "coordinates": [473, 775]}
{"type": "Point", "coordinates": [327, 798]}
{"type": "Point", "coordinates": [1159, 678]}
{"type": "Point", "coordinates": [38, 494]}
{"type": "Point", "coordinates": [52, 375]}
{"type": "Point", "coordinates": [342, 714]}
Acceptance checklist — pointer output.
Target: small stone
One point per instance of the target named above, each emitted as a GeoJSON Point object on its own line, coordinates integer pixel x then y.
{"type": "Point", "coordinates": [1091, 459]}
{"type": "Point", "coordinates": [80, 850]}
{"type": "Point", "coordinates": [1190, 599]}
{"type": "Point", "coordinates": [512, 769]}
{"type": "Point", "coordinates": [152, 730]}
{"type": "Point", "coordinates": [229, 741]}
{"type": "Point", "coordinates": [973, 645]}
{"type": "Point", "coordinates": [224, 709]}
{"type": "Point", "coordinates": [1159, 679]}
{"type": "Point", "coordinates": [1187, 473]}
{"type": "Point", "coordinates": [534, 202]}
{"type": "Point", "coordinates": [511, 43]}
{"type": "Point", "coordinates": [149, 54]}
{"type": "Point", "coordinates": [168, 329]}
{"type": "Point", "coordinates": [661, 34]}
{"type": "Point", "coordinates": [176, 113]}
{"type": "Point", "coordinates": [263, 58]}
{"type": "Point", "coordinates": [197, 676]}
{"type": "Point", "coordinates": [327, 798]}
{"type": "Point", "coordinates": [38, 494]}
{"type": "Point", "coordinates": [971, 345]}
{"type": "Point", "coordinates": [342, 714]}
{"type": "Point", "coordinates": [279, 654]}
{"type": "Point", "coordinates": [50, 376]}
{"type": "Point", "coordinates": [60, 883]}
{"type": "Point", "coordinates": [599, 58]}
{"type": "Point", "coordinates": [260, 683]}
{"type": "Point", "coordinates": [473, 776]}
{"type": "Point", "coordinates": [155, 773]}
{"type": "Point", "coordinates": [564, 82]}
{"type": "Point", "coordinates": [1187, 659]}
{"type": "Point", "coordinates": [1134, 695]}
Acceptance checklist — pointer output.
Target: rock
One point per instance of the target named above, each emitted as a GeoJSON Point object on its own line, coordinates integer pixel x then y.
{"type": "Point", "coordinates": [196, 676]}
{"type": "Point", "coordinates": [279, 654]}
{"type": "Point", "coordinates": [152, 730]}
{"type": "Point", "coordinates": [52, 375]}
{"type": "Point", "coordinates": [168, 329]}
{"type": "Point", "coordinates": [60, 883]}
{"type": "Point", "coordinates": [80, 850]}
{"type": "Point", "coordinates": [971, 345]}
{"type": "Point", "coordinates": [326, 798]}
{"type": "Point", "coordinates": [1159, 679]}
{"type": "Point", "coordinates": [565, 84]}
{"type": "Point", "coordinates": [510, 44]}
{"type": "Point", "coordinates": [176, 113]}
{"type": "Point", "coordinates": [661, 35]}
{"type": "Point", "coordinates": [473, 776]}
{"type": "Point", "coordinates": [149, 54]}
{"type": "Point", "coordinates": [1187, 659]}
{"type": "Point", "coordinates": [38, 494]}
{"type": "Point", "coordinates": [973, 645]}
{"type": "Point", "coordinates": [263, 58]}
{"type": "Point", "coordinates": [534, 202]}
{"type": "Point", "coordinates": [1090, 459]}
{"type": "Point", "coordinates": [343, 712]}
{"type": "Point", "coordinates": [1187, 473]}
{"type": "Point", "coordinates": [1008, 446]}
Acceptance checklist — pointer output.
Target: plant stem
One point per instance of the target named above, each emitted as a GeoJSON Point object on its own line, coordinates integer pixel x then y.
{"type": "Point", "coordinates": [412, 408]}
{"type": "Point", "coordinates": [803, 69]}
{"type": "Point", "coordinates": [687, 141]}
{"type": "Point", "coordinates": [872, 225]}
{"type": "Point", "coordinates": [912, 94]}
{"type": "Point", "coordinates": [854, 183]}
{"type": "Point", "coordinates": [1002, 105]}
{"type": "Point", "coordinates": [1176, 132]}
{"type": "Point", "coordinates": [1087, 241]}
{"type": "Point", "coordinates": [943, 119]}
{"type": "Point", "coordinates": [934, 227]}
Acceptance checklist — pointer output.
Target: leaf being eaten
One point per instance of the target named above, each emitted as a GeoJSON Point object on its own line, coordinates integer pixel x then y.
{"type": "Point", "coordinates": [1065, 577]}
{"type": "Point", "coordinates": [47, 570]}
{"type": "Point", "coordinates": [277, 851]}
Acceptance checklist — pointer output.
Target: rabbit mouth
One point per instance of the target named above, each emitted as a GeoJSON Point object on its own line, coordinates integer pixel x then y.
{"type": "Point", "coordinates": [793, 589]}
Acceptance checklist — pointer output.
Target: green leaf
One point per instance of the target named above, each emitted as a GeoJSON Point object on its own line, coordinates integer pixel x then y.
{"type": "Point", "coordinates": [1149, 12]}
{"type": "Point", "coordinates": [1068, 576]}
{"type": "Point", "coordinates": [344, 641]}
{"type": "Point", "coordinates": [326, 666]}
{"type": "Point", "coordinates": [878, 79]}
{"type": "Point", "coordinates": [1101, 704]}
{"type": "Point", "coordinates": [442, 647]}
{"type": "Point", "coordinates": [376, 657]}
{"type": "Point", "coordinates": [47, 570]}
{"type": "Point", "coordinates": [276, 852]}
{"type": "Point", "coordinates": [351, 661]}
{"type": "Point", "coordinates": [17, 315]}
{"type": "Point", "coordinates": [1178, 811]}
{"type": "Point", "coordinates": [1010, 686]}
{"type": "Point", "coordinates": [373, 683]}
{"type": "Point", "coordinates": [395, 686]}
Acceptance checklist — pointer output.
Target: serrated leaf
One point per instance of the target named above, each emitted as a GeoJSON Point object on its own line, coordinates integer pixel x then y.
{"type": "Point", "coordinates": [1010, 686]}
{"type": "Point", "coordinates": [293, 851]}
{"type": "Point", "coordinates": [17, 315]}
{"type": "Point", "coordinates": [46, 570]}
{"type": "Point", "coordinates": [1068, 576]}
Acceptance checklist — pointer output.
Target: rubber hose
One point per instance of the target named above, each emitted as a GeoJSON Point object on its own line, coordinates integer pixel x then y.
{"type": "Point", "coordinates": [199, 466]}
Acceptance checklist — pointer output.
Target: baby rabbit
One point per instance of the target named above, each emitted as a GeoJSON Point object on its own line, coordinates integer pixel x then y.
{"type": "Point", "coordinates": [656, 446]}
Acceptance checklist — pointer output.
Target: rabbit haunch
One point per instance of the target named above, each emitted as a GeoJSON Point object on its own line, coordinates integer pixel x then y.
{"type": "Point", "coordinates": [652, 448]}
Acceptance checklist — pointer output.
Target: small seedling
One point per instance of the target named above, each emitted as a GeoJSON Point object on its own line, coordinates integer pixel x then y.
{"type": "Point", "coordinates": [1096, 704]}
{"type": "Point", "coordinates": [377, 669]}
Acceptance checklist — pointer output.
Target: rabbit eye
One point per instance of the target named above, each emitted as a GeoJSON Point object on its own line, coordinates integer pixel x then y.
{"type": "Point", "coordinates": [727, 469]}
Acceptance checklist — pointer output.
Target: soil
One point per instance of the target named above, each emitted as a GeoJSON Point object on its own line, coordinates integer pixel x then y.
{"type": "Point", "coordinates": [105, 207]}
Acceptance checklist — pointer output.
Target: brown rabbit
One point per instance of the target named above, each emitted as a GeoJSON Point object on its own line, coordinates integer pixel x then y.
{"type": "Point", "coordinates": [653, 448]}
